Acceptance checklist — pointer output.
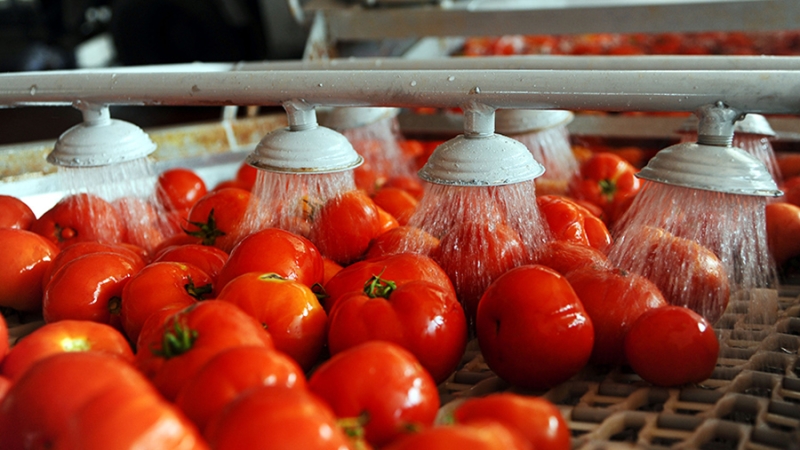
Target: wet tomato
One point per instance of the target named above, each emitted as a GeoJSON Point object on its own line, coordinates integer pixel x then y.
{"type": "Point", "coordinates": [478, 435]}
{"type": "Point", "coordinates": [145, 225]}
{"type": "Point", "coordinates": [783, 227]}
{"type": "Point", "coordinates": [343, 227]}
{"type": "Point", "coordinates": [330, 268]}
{"type": "Point", "coordinates": [387, 221]}
{"type": "Point", "coordinates": [216, 217]}
{"type": "Point", "coordinates": [397, 202]}
{"type": "Point", "coordinates": [5, 344]}
{"type": "Point", "coordinates": [179, 188]}
{"type": "Point", "coordinates": [161, 285]}
{"type": "Point", "coordinates": [409, 183]}
{"type": "Point", "coordinates": [289, 310]}
{"type": "Point", "coordinates": [672, 346]}
{"type": "Point", "coordinates": [564, 256]}
{"type": "Point", "coordinates": [381, 385]}
{"type": "Point", "coordinates": [81, 217]}
{"type": "Point", "coordinates": [24, 260]}
{"type": "Point", "coordinates": [61, 337]}
{"type": "Point", "coordinates": [271, 417]}
{"type": "Point", "coordinates": [532, 329]}
{"type": "Point", "coordinates": [614, 299]}
{"type": "Point", "coordinates": [420, 316]}
{"type": "Point", "coordinates": [402, 239]}
{"type": "Point", "coordinates": [89, 288]}
{"type": "Point", "coordinates": [14, 213]}
{"type": "Point", "coordinates": [246, 176]}
{"type": "Point", "coordinates": [208, 259]}
{"type": "Point", "coordinates": [606, 180]}
{"type": "Point", "coordinates": [273, 250]}
{"type": "Point", "coordinates": [569, 221]}
{"type": "Point", "coordinates": [78, 249]}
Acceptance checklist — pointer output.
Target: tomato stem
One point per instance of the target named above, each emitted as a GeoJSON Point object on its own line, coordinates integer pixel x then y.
{"type": "Point", "coordinates": [198, 292]}
{"type": "Point", "coordinates": [115, 305]}
{"type": "Point", "coordinates": [319, 291]}
{"type": "Point", "coordinates": [378, 287]}
{"type": "Point", "coordinates": [608, 188]}
{"type": "Point", "coordinates": [177, 341]}
{"type": "Point", "coordinates": [207, 231]}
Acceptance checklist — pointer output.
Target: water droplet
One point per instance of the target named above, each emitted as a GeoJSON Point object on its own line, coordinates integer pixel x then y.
{"type": "Point", "coordinates": [33, 90]}
{"type": "Point", "coordinates": [413, 83]}
{"type": "Point", "coordinates": [451, 78]}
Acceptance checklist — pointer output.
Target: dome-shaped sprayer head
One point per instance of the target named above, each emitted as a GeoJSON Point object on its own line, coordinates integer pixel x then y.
{"type": "Point", "coordinates": [100, 140]}
{"type": "Point", "coordinates": [479, 157]}
{"type": "Point", "coordinates": [304, 146]}
{"type": "Point", "coordinates": [519, 121]}
{"type": "Point", "coordinates": [347, 118]}
{"type": "Point", "coordinates": [712, 163]}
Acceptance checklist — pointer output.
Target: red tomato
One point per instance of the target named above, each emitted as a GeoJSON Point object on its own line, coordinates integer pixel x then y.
{"type": "Point", "coordinates": [783, 227]}
{"type": "Point", "coordinates": [672, 346]}
{"type": "Point", "coordinates": [5, 344]}
{"type": "Point", "coordinates": [398, 239]}
{"type": "Point", "coordinates": [420, 316]}
{"type": "Point", "coordinates": [381, 384]}
{"type": "Point", "coordinates": [614, 299]}
{"type": "Point", "coordinates": [537, 419]}
{"type": "Point", "coordinates": [78, 249]}
{"type": "Point", "coordinates": [14, 213]}
{"type": "Point", "coordinates": [401, 268]}
{"type": "Point", "coordinates": [330, 268]}
{"type": "Point", "coordinates": [289, 310]}
{"type": "Point", "coordinates": [89, 288]}
{"type": "Point", "coordinates": [344, 226]}
{"type": "Point", "coordinates": [411, 184]}
{"type": "Point", "coordinates": [271, 417]}
{"type": "Point", "coordinates": [387, 221]}
{"type": "Point", "coordinates": [161, 285]}
{"type": "Point", "coordinates": [479, 435]}
{"type": "Point", "coordinates": [273, 250]}
{"type": "Point", "coordinates": [5, 386]}
{"type": "Point", "coordinates": [564, 256]}
{"type": "Point", "coordinates": [208, 259]}
{"type": "Point", "coordinates": [571, 222]}
{"type": "Point", "coordinates": [246, 176]}
{"type": "Point", "coordinates": [81, 217]}
{"type": "Point", "coordinates": [216, 217]}
{"type": "Point", "coordinates": [532, 329]}
{"type": "Point", "coordinates": [24, 260]}
{"type": "Point", "coordinates": [606, 180]}
{"type": "Point", "coordinates": [397, 202]}
{"type": "Point", "coordinates": [179, 188]}
{"type": "Point", "coordinates": [62, 337]}
{"type": "Point", "coordinates": [190, 338]}
{"type": "Point", "coordinates": [230, 373]}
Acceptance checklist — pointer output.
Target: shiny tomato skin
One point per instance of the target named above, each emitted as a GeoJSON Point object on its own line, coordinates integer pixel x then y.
{"type": "Point", "coordinates": [400, 268]}
{"type": "Point", "coordinates": [420, 316]}
{"type": "Point", "coordinates": [532, 329]}
{"type": "Point", "coordinates": [217, 216]}
{"type": "Point", "coordinates": [289, 310]}
{"type": "Point", "coordinates": [246, 176]}
{"type": "Point", "coordinates": [536, 418]}
{"type": "Point", "coordinates": [89, 288]}
{"type": "Point", "coordinates": [344, 226]}
{"type": "Point", "coordinates": [672, 346]}
{"type": "Point", "coordinates": [81, 217]}
{"type": "Point", "coordinates": [288, 418]}
{"type": "Point", "coordinates": [606, 180]}
{"type": "Point", "coordinates": [564, 256]}
{"type": "Point", "coordinates": [230, 373]}
{"type": "Point", "coordinates": [397, 202]}
{"type": "Point", "coordinates": [201, 331]}
{"type": "Point", "coordinates": [61, 337]}
{"type": "Point", "coordinates": [24, 260]}
{"type": "Point", "coordinates": [386, 221]}
{"type": "Point", "coordinates": [396, 240]}
{"type": "Point", "coordinates": [381, 381]}
{"type": "Point", "coordinates": [79, 249]}
{"type": "Point", "coordinates": [783, 226]}
{"type": "Point", "coordinates": [179, 188]}
{"type": "Point", "coordinates": [5, 386]}
{"type": "Point", "coordinates": [479, 435]}
{"type": "Point", "coordinates": [273, 250]}
{"type": "Point", "coordinates": [330, 268]}
{"type": "Point", "coordinates": [569, 221]}
{"type": "Point", "coordinates": [208, 259]}
{"type": "Point", "coordinates": [14, 213]}
{"type": "Point", "coordinates": [5, 344]}
{"type": "Point", "coordinates": [614, 299]}
{"type": "Point", "coordinates": [161, 285]}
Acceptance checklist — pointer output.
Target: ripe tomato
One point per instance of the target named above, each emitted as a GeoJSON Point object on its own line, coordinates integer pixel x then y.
{"type": "Point", "coordinates": [89, 288]}
{"type": "Point", "coordinates": [344, 226]}
{"type": "Point", "coordinates": [420, 316]}
{"type": "Point", "coordinates": [387, 221]}
{"type": "Point", "coordinates": [246, 176]}
{"type": "Point", "coordinates": [14, 213]}
{"type": "Point", "coordinates": [537, 419]}
{"type": "Point", "coordinates": [397, 202]}
{"type": "Point", "coordinates": [61, 337]}
{"type": "Point", "coordinates": [5, 385]}
{"type": "Point", "coordinates": [409, 183]}
{"type": "Point", "coordinates": [81, 217]}
{"type": "Point", "coordinates": [186, 340]}
{"type": "Point", "coordinates": [532, 329]}
{"type": "Point", "coordinates": [614, 299]}
{"type": "Point", "coordinates": [5, 344]}
{"type": "Point", "coordinates": [230, 373]}
{"type": "Point", "coordinates": [478, 435]}
{"type": "Point", "coordinates": [208, 259]}
{"type": "Point", "coordinates": [564, 256]}
{"type": "Point", "coordinates": [179, 188]}
{"type": "Point", "coordinates": [605, 180]}
{"type": "Point", "coordinates": [161, 285]}
{"type": "Point", "coordinates": [273, 250]}
{"type": "Point", "coordinates": [289, 310]}
{"type": "Point", "coordinates": [330, 268]}
{"type": "Point", "coordinates": [382, 385]}
{"type": "Point", "coordinates": [401, 268]}
{"type": "Point", "coordinates": [272, 417]}
{"type": "Point", "coordinates": [402, 239]}
{"type": "Point", "coordinates": [783, 227]}
{"type": "Point", "coordinates": [24, 260]}
{"type": "Point", "coordinates": [672, 346]}
{"type": "Point", "coordinates": [216, 217]}
{"type": "Point", "coordinates": [78, 249]}
{"type": "Point", "coordinates": [568, 221]}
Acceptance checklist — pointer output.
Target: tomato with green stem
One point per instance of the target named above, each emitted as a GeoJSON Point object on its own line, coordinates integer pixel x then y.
{"type": "Point", "coordinates": [215, 218]}
{"type": "Point", "coordinates": [606, 180]}
{"type": "Point", "coordinates": [81, 217]}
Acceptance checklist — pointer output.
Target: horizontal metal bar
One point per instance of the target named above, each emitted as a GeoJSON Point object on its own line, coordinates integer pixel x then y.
{"type": "Point", "coordinates": [768, 91]}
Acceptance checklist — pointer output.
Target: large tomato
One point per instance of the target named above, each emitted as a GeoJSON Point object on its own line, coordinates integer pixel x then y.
{"type": "Point", "coordinates": [24, 260]}
{"type": "Point", "coordinates": [216, 218]}
{"type": "Point", "coordinates": [186, 340]}
{"type": "Point", "coordinates": [672, 346]}
{"type": "Point", "coordinates": [78, 249]}
{"type": "Point", "coordinates": [81, 217]}
{"type": "Point", "coordinates": [569, 221]}
{"type": "Point", "coordinates": [161, 285]}
{"type": "Point", "coordinates": [208, 259]}
{"type": "Point", "coordinates": [420, 316]}
{"type": "Point", "coordinates": [14, 213]}
{"type": "Point", "coordinates": [398, 240]}
{"type": "Point", "coordinates": [273, 250]}
{"type": "Point", "coordinates": [289, 310]}
{"type": "Point", "coordinates": [783, 227]}
{"type": "Point", "coordinates": [606, 180]}
{"type": "Point", "coordinates": [565, 256]}
{"type": "Point", "coordinates": [62, 337]}
{"type": "Point", "coordinates": [179, 188]}
{"type": "Point", "coordinates": [532, 329]}
{"type": "Point", "coordinates": [343, 227]}
{"type": "Point", "coordinates": [397, 202]}
{"type": "Point", "coordinates": [271, 417]}
{"type": "Point", "coordinates": [5, 344]}
{"type": "Point", "coordinates": [614, 299]}
{"type": "Point", "coordinates": [381, 385]}
{"type": "Point", "coordinates": [478, 435]}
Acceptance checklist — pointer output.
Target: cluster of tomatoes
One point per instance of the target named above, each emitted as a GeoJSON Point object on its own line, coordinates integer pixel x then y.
{"type": "Point", "coordinates": [332, 340]}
